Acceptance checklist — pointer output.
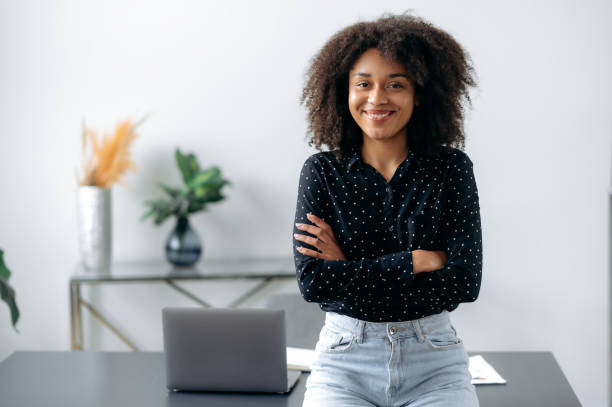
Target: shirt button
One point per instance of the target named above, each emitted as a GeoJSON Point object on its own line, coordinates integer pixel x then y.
{"type": "Point", "coordinates": [389, 189]}
{"type": "Point", "coordinates": [392, 330]}
{"type": "Point", "coordinates": [391, 228]}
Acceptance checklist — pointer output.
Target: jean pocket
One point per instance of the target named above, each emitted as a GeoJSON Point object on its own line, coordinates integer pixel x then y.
{"type": "Point", "coordinates": [334, 342]}
{"type": "Point", "coordinates": [444, 339]}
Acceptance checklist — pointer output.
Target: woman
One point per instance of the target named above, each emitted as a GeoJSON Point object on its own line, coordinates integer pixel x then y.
{"type": "Point", "coordinates": [388, 237]}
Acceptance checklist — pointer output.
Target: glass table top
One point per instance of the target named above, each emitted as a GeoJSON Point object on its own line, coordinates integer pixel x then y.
{"type": "Point", "coordinates": [202, 270]}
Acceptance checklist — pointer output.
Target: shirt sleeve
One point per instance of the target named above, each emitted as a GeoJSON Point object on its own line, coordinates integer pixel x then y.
{"type": "Point", "coordinates": [341, 280]}
{"type": "Point", "coordinates": [461, 234]}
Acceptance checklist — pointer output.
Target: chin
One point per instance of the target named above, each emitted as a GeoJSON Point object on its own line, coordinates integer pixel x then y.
{"type": "Point", "coordinates": [378, 135]}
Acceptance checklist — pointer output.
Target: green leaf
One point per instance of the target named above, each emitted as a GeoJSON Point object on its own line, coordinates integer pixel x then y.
{"type": "Point", "coordinates": [221, 183]}
{"type": "Point", "coordinates": [215, 197]}
{"type": "Point", "coordinates": [147, 214]}
{"type": "Point", "coordinates": [194, 167]}
{"type": "Point", "coordinates": [5, 273]}
{"type": "Point", "coordinates": [202, 191]}
{"type": "Point", "coordinates": [205, 177]}
{"type": "Point", "coordinates": [196, 206]}
{"type": "Point", "coordinates": [173, 192]}
{"type": "Point", "coordinates": [164, 213]}
{"type": "Point", "coordinates": [7, 293]}
{"type": "Point", "coordinates": [181, 161]}
{"type": "Point", "coordinates": [188, 165]}
{"type": "Point", "coordinates": [160, 209]}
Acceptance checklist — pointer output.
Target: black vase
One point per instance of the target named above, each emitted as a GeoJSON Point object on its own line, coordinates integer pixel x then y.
{"type": "Point", "coordinates": [183, 247]}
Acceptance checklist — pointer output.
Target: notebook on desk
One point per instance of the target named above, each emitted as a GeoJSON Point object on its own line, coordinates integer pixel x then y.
{"type": "Point", "coordinates": [225, 349]}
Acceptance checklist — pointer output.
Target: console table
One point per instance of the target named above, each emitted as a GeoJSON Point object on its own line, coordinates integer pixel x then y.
{"type": "Point", "coordinates": [264, 269]}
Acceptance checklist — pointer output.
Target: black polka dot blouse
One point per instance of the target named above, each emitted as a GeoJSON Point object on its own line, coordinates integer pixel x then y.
{"type": "Point", "coordinates": [429, 204]}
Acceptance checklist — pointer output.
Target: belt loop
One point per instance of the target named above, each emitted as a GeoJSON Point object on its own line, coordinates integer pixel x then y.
{"type": "Point", "coordinates": [359, 331]}
{"type": "Point", "coordinates": [417, 328]}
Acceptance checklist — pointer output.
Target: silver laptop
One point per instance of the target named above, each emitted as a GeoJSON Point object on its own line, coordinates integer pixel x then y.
{"type": "Point", "coordinates": [226, 349]}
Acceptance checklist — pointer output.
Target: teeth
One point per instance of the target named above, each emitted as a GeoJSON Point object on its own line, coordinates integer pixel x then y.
{"type": "Point", "coordinates": [378, 116]}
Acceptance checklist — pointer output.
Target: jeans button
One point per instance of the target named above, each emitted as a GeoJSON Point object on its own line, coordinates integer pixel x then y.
{"type": "Point", "coordinates": [392, 330]}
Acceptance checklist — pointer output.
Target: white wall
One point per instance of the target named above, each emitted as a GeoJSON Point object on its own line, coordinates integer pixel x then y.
{"type": "Point", "coordinates": [223, 79]}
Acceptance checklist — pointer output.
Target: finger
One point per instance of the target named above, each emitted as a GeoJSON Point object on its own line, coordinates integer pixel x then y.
{"type": "Point", "coordinates": [318, 221]}
{"type": "Point", "coordinates": [313, 241]}
{"type": "Point", "coordinates": [315, 219]}
{"type": "Point", "coordinates": [309, 252]}
{"type": "Point", "coordinates": [313, 230]}
{"type": "Point", "coordinates": [307, 228]}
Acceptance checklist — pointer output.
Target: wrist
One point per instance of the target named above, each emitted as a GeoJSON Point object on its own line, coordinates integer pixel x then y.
{"type": "Point", "coordinates": [417, 262]}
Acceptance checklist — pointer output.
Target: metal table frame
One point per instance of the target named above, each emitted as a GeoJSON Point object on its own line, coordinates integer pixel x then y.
{"type": "Point", "coordinates": [266, 270]}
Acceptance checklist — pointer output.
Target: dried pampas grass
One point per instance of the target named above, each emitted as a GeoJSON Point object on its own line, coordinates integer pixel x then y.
{"type": "Point", "coordinates": [105, 161]}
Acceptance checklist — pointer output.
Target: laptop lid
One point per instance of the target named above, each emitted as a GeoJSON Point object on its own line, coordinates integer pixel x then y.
{"type": "Point", "coordinates": [225, 349]}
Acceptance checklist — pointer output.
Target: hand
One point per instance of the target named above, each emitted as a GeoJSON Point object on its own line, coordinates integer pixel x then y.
{"type": "Point", "coordinates": [427, 260]}
{"type": "Point", "coordinates": [324, 240]}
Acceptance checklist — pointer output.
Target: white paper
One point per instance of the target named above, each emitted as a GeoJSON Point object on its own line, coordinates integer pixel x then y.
{"type": "Point", "coordinates": [481, 371]}
{"type": "Point", "coordinates": [300, 359]}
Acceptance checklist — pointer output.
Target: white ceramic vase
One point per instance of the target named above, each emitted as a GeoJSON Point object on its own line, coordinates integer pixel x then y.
{"type": "Point", "coordinates": [94, 213]}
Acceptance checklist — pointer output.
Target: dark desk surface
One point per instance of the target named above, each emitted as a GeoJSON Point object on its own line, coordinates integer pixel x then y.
{"type": "Point", "coordinates": [137, 379]}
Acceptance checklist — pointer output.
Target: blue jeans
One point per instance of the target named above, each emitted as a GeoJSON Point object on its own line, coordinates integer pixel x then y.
{"type": "Point", "coordinates": [409, 363]}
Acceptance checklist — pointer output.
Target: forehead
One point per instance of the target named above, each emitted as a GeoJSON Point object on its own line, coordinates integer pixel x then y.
{"type": "Point", "coordinates": [371, 61]}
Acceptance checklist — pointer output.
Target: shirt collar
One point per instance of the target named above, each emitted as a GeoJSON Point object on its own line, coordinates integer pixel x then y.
{"type": "Point", "coordinates": [356, 156]}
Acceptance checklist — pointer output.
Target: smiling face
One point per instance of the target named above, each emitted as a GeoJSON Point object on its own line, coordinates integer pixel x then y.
{"type": "Point", "coordinates": [381, 96]}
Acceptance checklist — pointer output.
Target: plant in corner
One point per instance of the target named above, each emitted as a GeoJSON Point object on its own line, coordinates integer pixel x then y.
{"type": "Point", "coordinates": [7, 293]}
{"type": "Point", "coordinates": [201, 187]}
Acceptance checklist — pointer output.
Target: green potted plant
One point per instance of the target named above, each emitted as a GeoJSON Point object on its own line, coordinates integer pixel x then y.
{"type": "Point", "coordinates": [7, 293]}
{"type": "Point", "coordinates": [200, 187]}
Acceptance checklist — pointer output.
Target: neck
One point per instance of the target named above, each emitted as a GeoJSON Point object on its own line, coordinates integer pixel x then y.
{"type": "Point", "coordinates": [384, 154]}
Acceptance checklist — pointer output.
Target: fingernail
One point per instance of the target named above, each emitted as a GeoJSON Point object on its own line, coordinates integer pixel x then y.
{"type": "Point", "coordinates": [298, 224]}
{"type": "Point", "coordinates": [295, 235]}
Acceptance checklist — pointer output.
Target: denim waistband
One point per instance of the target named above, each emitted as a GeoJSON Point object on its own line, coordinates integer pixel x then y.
{"type": "Point", "coordinates": [417, 327]}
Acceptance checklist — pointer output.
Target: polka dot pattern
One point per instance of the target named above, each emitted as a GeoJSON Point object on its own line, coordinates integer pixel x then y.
{"type": "Point", "coordinates": [429, 204]}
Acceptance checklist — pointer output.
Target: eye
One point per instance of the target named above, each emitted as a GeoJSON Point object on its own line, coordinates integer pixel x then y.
{"type": "Point", "coordinates": [396, 85]}
{"type": "Point", "coordinates": [361, 84]}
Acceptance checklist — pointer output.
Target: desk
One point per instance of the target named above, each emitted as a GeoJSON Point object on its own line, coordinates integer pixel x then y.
{"type": "Point", "coordinates": [265, 270]}
{"type": "Point", "coordinates": [135, 379]}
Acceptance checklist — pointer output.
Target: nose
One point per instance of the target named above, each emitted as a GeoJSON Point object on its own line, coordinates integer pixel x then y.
{"type": "Point", "coordinates": [377, 96]}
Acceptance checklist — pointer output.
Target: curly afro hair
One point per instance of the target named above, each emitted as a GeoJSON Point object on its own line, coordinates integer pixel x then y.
{"type": "Point", "coordinates": [440, 69]}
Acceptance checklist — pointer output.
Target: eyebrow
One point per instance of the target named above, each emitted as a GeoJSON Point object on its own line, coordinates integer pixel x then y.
{"type": "Point", "coordinates": [393, 75]}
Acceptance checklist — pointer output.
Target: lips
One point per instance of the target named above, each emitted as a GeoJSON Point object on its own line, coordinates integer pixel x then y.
{"type": "Point", "coordinates": [378, 115]}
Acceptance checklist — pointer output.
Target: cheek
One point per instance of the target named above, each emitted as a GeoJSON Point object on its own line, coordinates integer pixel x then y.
{"type": "Point", "coordinates": [406, 100]}
{"type": "Point", "coordinates": [353, 102]}
{"type": "Point", "coordinates": [408, 105]}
